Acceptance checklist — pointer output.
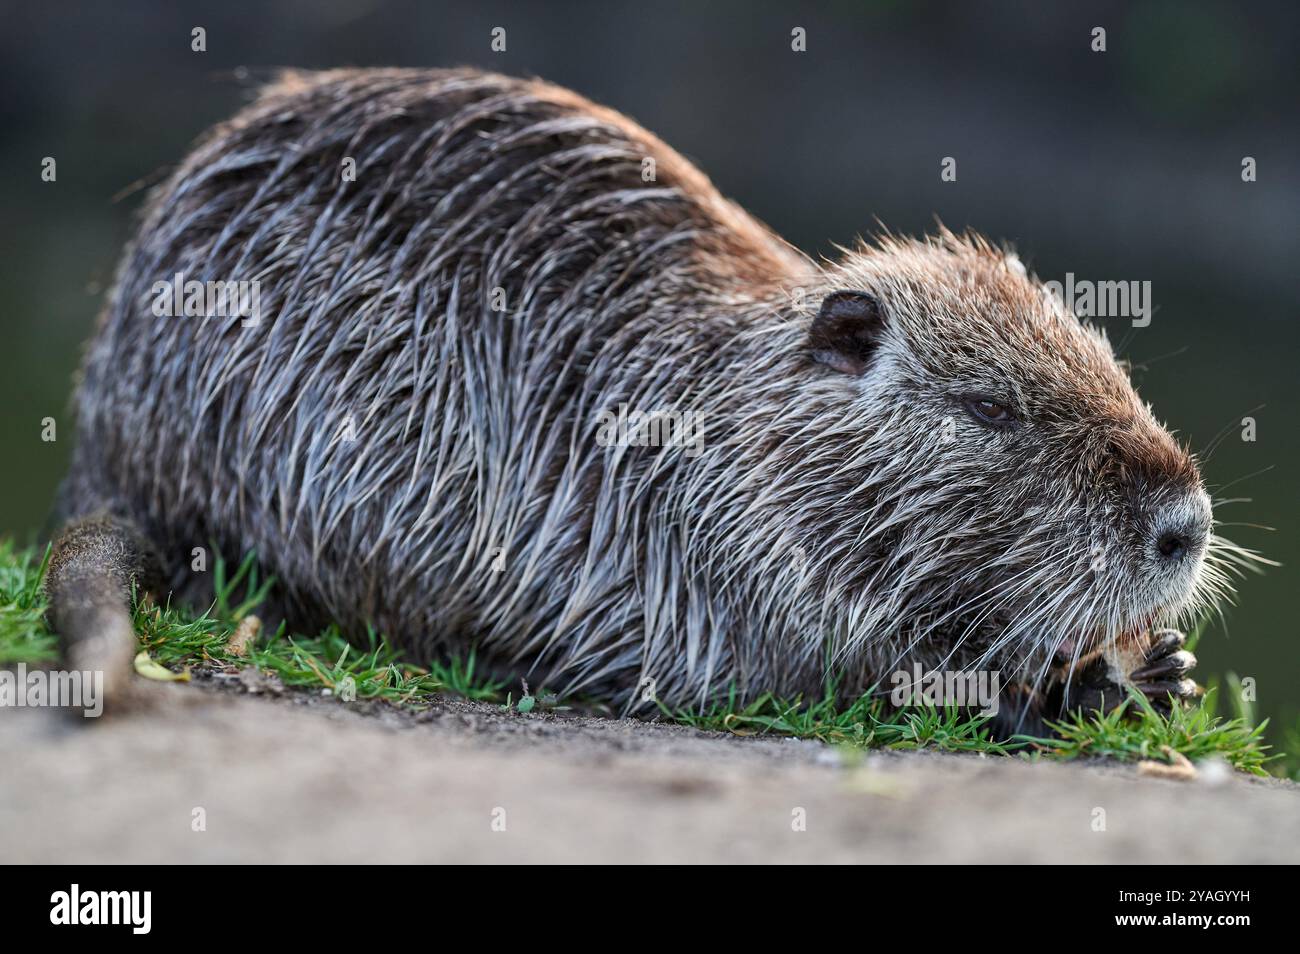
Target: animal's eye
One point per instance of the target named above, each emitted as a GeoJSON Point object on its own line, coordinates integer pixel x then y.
{"type": "Point", "coordinates": [991, 412]}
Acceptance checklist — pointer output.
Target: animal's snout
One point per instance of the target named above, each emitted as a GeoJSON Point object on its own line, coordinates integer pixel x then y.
{"type": "Point", "coordinates": [1173, 544]}
{"type": "Point", "coordinates": [1180, 527]}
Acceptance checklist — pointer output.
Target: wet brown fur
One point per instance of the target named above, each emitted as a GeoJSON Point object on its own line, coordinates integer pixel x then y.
{"type": "Point", "coordinates": [624, 566]}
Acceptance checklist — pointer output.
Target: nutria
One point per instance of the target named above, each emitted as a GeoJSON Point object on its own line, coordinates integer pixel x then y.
{"type": "Point", "coordinates": [521, 378]}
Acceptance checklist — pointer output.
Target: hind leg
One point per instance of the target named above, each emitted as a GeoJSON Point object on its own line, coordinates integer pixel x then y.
{"type": "Point", "coordinates": [94, 566]}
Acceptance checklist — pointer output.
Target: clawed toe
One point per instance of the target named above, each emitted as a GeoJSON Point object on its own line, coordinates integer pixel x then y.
{"type": "Point", "coordinates": [1164, 642]}
{"type": "Point", "coordinates": [1163, 673]}
{"type": "Point", "coordinates": [1176, 664]}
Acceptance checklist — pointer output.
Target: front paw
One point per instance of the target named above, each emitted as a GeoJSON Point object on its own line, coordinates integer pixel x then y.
{"type": "Point", "coordinates": [1163, 674]}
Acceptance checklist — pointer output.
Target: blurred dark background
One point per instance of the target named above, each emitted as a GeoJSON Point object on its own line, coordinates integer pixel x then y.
{"type": "Point", "coordinates": [1123, 165]}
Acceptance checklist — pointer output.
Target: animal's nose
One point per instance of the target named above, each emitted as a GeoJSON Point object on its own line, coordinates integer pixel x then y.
{"type": "Point", "coordinates": [1181, 527]}
{"type": "Point", "coordinates": [1174, 544]}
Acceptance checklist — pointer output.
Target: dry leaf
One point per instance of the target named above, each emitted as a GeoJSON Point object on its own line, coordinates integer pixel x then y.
{"type": "Point", "coordinates": [150, 669]}
{"type": "Point", "coordinates": [243, 636]}
{"type": "Point", "coordinates": [1181, 768]}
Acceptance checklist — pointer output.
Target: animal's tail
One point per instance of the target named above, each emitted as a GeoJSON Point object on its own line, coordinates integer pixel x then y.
{"type": "Point", "coordinates": [94, 566]}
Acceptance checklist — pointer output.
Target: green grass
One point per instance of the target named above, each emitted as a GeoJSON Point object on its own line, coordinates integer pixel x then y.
{"type": "Point", "coordinates": [23, 634]}
{"type": "Point", "coordinates": [326, 660]}
{"type": "Point", "coordinates": [179, 639]}
{"type": "Point", "coordinates": [867, 723]}
{"type": "Point", "coordinates": [1135, 730]}
{"type": "Point", "coordinates": [1131, 732]}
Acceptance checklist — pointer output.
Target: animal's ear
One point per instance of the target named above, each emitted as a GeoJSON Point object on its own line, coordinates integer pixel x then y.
{"type": "Point", "coordinates": [846, 331]}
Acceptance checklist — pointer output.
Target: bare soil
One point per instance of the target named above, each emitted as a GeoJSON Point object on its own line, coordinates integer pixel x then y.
{"type": "Point", "coordinates": [295, 777]}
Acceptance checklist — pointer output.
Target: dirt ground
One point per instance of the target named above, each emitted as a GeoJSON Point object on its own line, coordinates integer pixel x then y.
{"type": "Point", "coordinates": [298, 778]}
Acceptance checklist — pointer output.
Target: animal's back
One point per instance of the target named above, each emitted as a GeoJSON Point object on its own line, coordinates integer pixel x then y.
{"type": "Point", "coordinates": [405, 435]}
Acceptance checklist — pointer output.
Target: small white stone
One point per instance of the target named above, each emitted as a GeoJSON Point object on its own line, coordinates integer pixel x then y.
{"type": "Point", "coordinates": [1214, 771]}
